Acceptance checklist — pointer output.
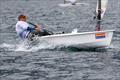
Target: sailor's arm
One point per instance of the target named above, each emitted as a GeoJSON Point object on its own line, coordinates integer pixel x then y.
{"type": "Point", "coordinates": [36, 28]}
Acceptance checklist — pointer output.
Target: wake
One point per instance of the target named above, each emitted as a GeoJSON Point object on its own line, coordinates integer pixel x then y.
{"type": "Point", "coordinates": [26, 46]}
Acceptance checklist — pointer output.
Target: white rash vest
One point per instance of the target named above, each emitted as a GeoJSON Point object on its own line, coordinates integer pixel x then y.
{"type": "Point", "coordinates": [21, 29]}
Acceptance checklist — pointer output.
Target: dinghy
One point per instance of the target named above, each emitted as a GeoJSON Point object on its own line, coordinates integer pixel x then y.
{"type": "Point", "coordinates": [95, 39]}
{"type": "Point", "coordinates": [71, 3]}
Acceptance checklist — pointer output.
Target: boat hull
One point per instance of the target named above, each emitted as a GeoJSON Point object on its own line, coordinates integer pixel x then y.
{"type": "Point", "coordinates": [85, 39]}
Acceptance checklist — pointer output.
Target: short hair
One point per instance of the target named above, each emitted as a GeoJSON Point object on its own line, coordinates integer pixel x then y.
{"type": "Point", "coordinates": [22, 16]}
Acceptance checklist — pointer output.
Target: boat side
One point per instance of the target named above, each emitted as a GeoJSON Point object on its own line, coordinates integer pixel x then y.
{"type": "Point", "coordinates": [81, 33]}
{"type": "Point", "coordinates": [84, 39]}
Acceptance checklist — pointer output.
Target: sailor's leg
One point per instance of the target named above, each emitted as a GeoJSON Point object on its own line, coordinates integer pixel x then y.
{"type": "Point", "coordinates": [31, 35]}
{"type": "Point", "coordinates": [44, 33]}
{"type": "Point", "coordinates": [35, 33]}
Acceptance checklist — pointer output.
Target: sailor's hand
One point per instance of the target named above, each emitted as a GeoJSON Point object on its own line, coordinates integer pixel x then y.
{"type": "Point", "coordinates": [37, 28]}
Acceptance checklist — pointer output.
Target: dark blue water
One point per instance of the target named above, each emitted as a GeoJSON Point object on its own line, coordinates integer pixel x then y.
{"type": "Point", "coordinates": [47, 62]}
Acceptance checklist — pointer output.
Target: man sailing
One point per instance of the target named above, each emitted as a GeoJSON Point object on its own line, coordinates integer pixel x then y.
{"type": "Point", "coordinates": [24, 29]}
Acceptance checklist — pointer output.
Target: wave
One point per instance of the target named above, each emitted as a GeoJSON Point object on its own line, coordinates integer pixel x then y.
{"type": "Point", "coordinates": [7, 46]}
{"type": "Point", "coordinates": [27, 46]}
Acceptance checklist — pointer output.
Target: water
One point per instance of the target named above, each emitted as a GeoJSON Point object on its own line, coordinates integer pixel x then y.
{"type": "Point", "coordinates": [18, 61]}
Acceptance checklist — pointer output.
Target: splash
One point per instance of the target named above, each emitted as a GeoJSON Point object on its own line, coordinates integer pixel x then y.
{"type": "Point", "coordinates": [27, 46]}
{"type": "Point", "coordinates": [33, 46]}
{"type": "Point", "coordinates": [74, 31]}
{"type": "Point", "coordinates": [7, 46]}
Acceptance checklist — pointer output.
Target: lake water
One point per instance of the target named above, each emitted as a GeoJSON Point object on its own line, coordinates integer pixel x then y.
{"type": "Point", "coordinates": [47, 62]}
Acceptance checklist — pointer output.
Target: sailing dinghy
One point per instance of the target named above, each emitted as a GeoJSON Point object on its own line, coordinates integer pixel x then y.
{"type": "Point", "coordinates": [95, 39]}
{"type": "Point", "coordinates": [71, 3]}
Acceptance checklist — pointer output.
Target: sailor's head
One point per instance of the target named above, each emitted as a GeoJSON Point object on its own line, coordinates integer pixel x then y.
{"type": "Point", "coordinates": [22, 18]}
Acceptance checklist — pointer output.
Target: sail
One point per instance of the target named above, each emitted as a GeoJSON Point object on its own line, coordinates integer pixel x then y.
{"type": "Point", "coordinates": [103, 7]}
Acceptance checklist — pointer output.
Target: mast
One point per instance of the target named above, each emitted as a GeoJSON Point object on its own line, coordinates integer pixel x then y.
{"type": "Point", "coordinates": [98, 25]}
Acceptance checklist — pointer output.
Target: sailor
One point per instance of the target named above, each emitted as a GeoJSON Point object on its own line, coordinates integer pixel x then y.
{"type": "Point", "coordinates": [24, 29]}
